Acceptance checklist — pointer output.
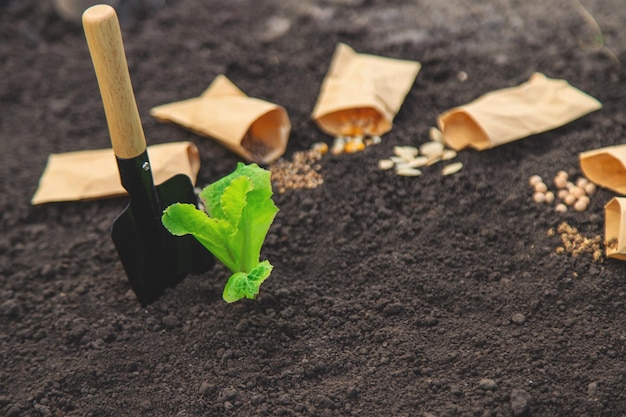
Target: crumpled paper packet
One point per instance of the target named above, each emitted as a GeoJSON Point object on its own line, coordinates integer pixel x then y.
{"type": "Point", "coordinates": [361, 93]}
{"type": "Point", "coordinates": [615, 228]}
{"type": "Point", "coordinates": [254, 129]}
{"type": "Point", "coordinates": [87, 175]}
{"type": "Point", "coordinates": [606, 167]}
{"type": "Point", "coordinates": [509, 114]}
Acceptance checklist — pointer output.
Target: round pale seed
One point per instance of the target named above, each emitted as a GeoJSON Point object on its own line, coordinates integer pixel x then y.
{"type": "Point", "coordinates": [541, 187]}
{"type": "Point", "coordinates": [452, 168]}
{"type": "Point", "coordinates": [581, 182]}
{"type": "Point", "coordinates": [539, 198]}
{"type": "Point", "coordinates": [560, 181]}
{"type": "Point", "coordinates": [320, 147]}
{"type": "Point", "coordinates": [562, 173]}
{"type": "Point", "coordinates": [408, 172]}
{"type": "Point", "coordinates": [570, 199]}
{"type": "Point", "coordinates": [385, 164]}
{"type": "Point", "coordinates": [534, 179]}
{"type": "Point", "coordinates": [585, 199]}
{"type": "Point", "coordinates": [431, 148]}
{"type": "Point", "coordinates": [562, 194]}
{"type": "Point", "coordinates": [549, 197]}
{"type": "Point", "coordinates": [560, 208]}
{"type": "Point", "coordinates": [435, 134]}
{"type": "Point", "coordinates": [577, 192]}
{"type": "Point", "coordinates": [580, 205]}
{"type": "Point", "coordinates": [590, 188]}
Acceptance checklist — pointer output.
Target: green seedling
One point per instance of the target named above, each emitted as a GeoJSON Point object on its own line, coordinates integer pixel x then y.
{"type": "Point", "coordinates": [239, 213]}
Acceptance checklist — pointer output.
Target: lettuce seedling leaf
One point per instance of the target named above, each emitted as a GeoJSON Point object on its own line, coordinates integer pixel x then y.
{"type": "Point", "coordinates": [242, 284]}
{"type": "Point", "coordinates": [239, 214]}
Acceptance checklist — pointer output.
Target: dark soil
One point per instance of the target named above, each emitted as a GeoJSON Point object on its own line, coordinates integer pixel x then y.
{"type": "Point", "coordinates": [390, 296]}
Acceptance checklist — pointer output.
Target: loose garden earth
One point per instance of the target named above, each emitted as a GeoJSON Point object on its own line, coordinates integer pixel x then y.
{"type": "Point", "coordinates": [391, 296]}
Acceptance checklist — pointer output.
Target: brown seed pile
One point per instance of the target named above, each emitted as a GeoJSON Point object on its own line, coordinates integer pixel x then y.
{"type": "Point", "coordinates": [301, 172]}
{"type": "Point", "coordinates": [569, 194]}
{"type": "Point", "coordinates": [576, 244]}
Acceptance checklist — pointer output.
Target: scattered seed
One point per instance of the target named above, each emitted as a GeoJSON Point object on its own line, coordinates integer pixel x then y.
{"type": "Point", "coordinates": [539, 198]}
{"type": "Point", "coordinates": [435, 134]}
{"type": "Point", "coordinates": [560, 208]}
{"type": "Point", "coordinates": [581, 182]}
{"type": "Point", "coordinates": [560, 181]}
{"type": "Point", "coordinates": [420, 161]}
{"type": "Point", "coordinates": [431, 148]}
{"type": "Point", "coordinates": [338, 144]}
{"type": "Point", "coordinates": [590, 188]}
{"type": "Point", "coordinates": [549, 197]}
{"type": "Point", "coordinates": [408, 172]}
{"type": "Point", "coordinates": [448, 154]}
{"type": "Point", "coordinates": [580, 205]}
{"type": "Point", "coordinates": [534, 180]}
{"type": "Point", "coordinates": [562, 173]}
{"type": "Point", "coordinates": [385, 164]}
{"type": "Point", "coordinates": [376, 139]}
{"type": "Point", "coordinates": [452, 168]}
{"type": "Point", "coordinates": [569, 199]}
{"type": "Point", "coordinates": [354, 146]}
{"type": "Point", "coordinates": [562, 194]}
{"type": "Point", "coordinates": [541, 187]}
{"type": "Point", "coordinates": [406, 152]}
{"type": "Point", "coordinates": [577, 192]}
{"type": "Point", "coordinates": [320, 147]}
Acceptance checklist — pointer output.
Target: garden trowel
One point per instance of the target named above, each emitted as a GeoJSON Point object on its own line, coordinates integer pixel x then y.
{"type": "Point", "coordinates": [152, 258]}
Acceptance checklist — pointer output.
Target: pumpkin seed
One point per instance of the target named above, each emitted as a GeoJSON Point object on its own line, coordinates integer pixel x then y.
{"type": "Point", "coordinates": [452, 168]}
{"type": "Point", "coordinates": [408, 172]}
{"type": "Point", "coordinates": [435, 134]}
{"type": "Point", "coordinates": [385, 164]}
{"type": "Point", "coordinates": [448, 154]}
{"type": "Point", "coordinates": [431, 148]}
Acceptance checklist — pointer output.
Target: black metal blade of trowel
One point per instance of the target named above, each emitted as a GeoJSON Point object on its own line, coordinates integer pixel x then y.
{"type": "Point", "coordinates": [152, 258]}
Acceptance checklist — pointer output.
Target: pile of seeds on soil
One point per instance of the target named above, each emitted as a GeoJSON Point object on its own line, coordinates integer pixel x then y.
{"type": "Point", "coordinates": [576, 244]}
{"type": "Point", "coordinates": [408, 159]}
{"type": "Point", "coordinates": [301, 172]}
{"type": "Point", "coordinates": [569, 194]}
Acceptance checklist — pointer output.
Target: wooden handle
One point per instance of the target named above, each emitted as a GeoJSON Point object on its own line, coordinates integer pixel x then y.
{"type": "Point", "coordinates": [104, 39]}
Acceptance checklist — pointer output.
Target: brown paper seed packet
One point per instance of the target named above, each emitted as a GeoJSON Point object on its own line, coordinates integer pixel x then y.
{"type": "Point", "coordinates": [254, 129]}
{"type": "Point", "coordinates": [361, 94]}
{"type": "Point", "coordinates": [509, 114]}
{"type": "Point", "coordinates": [606, 167]}
{"type": "Point", "coordinates": [615, 228]}
{"type": "Point", "coordinates": [88, 175]}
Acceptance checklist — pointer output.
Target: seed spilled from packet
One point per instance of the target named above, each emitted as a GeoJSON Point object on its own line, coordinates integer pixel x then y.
{"type": "Point", "coordinates": [254, 129]}
{"type": "Point", "coordinates": [361, 94]}
{"type": "Point", "coordinates": [509, 114]}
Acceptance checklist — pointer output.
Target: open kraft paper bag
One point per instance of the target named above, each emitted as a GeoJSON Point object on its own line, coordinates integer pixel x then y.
{"type": "Point", "coordinates": [87, 175]}
{"type": "Point", "coordinates": [253, 128]}
{"type": "Point", "coordinates": [361, 93]}
{"type": "Point", "coordinates": [509, 114]}
{"type": "Point", "coordinates": [615, 228]}
{"type": "Point", "coordinates": [606, 167]}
